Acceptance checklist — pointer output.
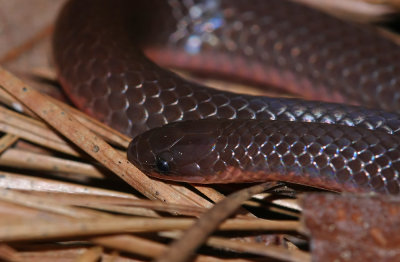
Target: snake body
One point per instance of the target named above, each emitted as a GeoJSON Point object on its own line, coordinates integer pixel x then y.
{"type": "Point", "coordinates": [101, 51]}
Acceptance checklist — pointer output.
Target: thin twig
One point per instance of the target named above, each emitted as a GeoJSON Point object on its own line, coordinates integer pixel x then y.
{"type": "Point", "coordinates": [183, 248]}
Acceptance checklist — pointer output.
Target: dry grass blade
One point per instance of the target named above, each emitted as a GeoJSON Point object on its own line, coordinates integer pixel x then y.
{"type": "Point", "coordinates": [271, 251]}
{"type": "Point", "coordinates": [125, 210]}
{"type": "Point", "coordinates": [32, 161]}
{"type": "Point", "coordinates": [122, 204]}
{"type": "Point", "coordinates": [23, 182]}
{"type": "Point", "coordinates": [6, 141]}
{"type": "Point", "coordinates": [260, 225]}
{"type": "Point", "coordinates": [62, 229]}
{"type": "Point", "coordinates": [7, 253]}
{"type": "Point", "coordinates": [276, 252]}
{"type": "Point", "coordinates": [145, 247]}
{"type": "Point", "coordinates": [93, 145]}
{"type": "Point", "coordinates": [38, 139]}
{"type": "Point", "coordinates": [21, 229]}
{"type": "Point", "coordinates": [28, 124]}
{"type": "Point", "coordinates": [91, 255]}
{"type": "Point", "coordinates": [7, 99]}
{"type": "Point", "coordinates": [59, 253]}
{"type": "Point", "coordinates": [46, 204]}
{"type": "Point", "coordinates": [210, 193]}
{"type": "Point", "coordinates": [99, 128]}
{"type": "Point", "coordinates": [199, 201]}
{"type": "Point", "coordinates": [129, 210]}
{"type": "Point", "coordinates": [182, 249]}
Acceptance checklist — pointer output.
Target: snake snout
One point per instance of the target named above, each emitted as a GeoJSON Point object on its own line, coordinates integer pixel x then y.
{"type": "Point", "coordinates": [167, 152]}
{"type": "Point", "coordinates": [145, 150]}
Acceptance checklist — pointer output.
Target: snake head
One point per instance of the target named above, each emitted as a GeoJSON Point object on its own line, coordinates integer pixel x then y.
{"type": "Point", "coordinates": [181, 151]}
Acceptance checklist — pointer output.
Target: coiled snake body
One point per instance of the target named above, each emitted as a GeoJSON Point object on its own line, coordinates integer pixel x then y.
{"type": "Point", "coordinates": [101, 49]}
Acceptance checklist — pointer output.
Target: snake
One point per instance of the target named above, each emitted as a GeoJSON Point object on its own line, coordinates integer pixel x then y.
{"type": "Point", "coordinates": [112, 57]}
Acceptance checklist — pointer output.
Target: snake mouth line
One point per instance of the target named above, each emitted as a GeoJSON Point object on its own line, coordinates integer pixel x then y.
{"type": "Point", "coordinates": [237, 175]}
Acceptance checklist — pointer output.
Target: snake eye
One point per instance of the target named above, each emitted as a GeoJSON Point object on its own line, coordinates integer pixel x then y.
{"type": "Point", "coordinates": [162, 166]}
{"type": "Point", "coordinates": [163, 161]}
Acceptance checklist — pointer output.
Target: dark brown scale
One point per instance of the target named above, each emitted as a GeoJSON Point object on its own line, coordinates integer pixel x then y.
{"type": "Point", "coordinates": [98, 50]}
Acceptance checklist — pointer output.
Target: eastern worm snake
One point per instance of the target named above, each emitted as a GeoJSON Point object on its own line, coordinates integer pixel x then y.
{"type": "Point", "coordinates": [101, 51]}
